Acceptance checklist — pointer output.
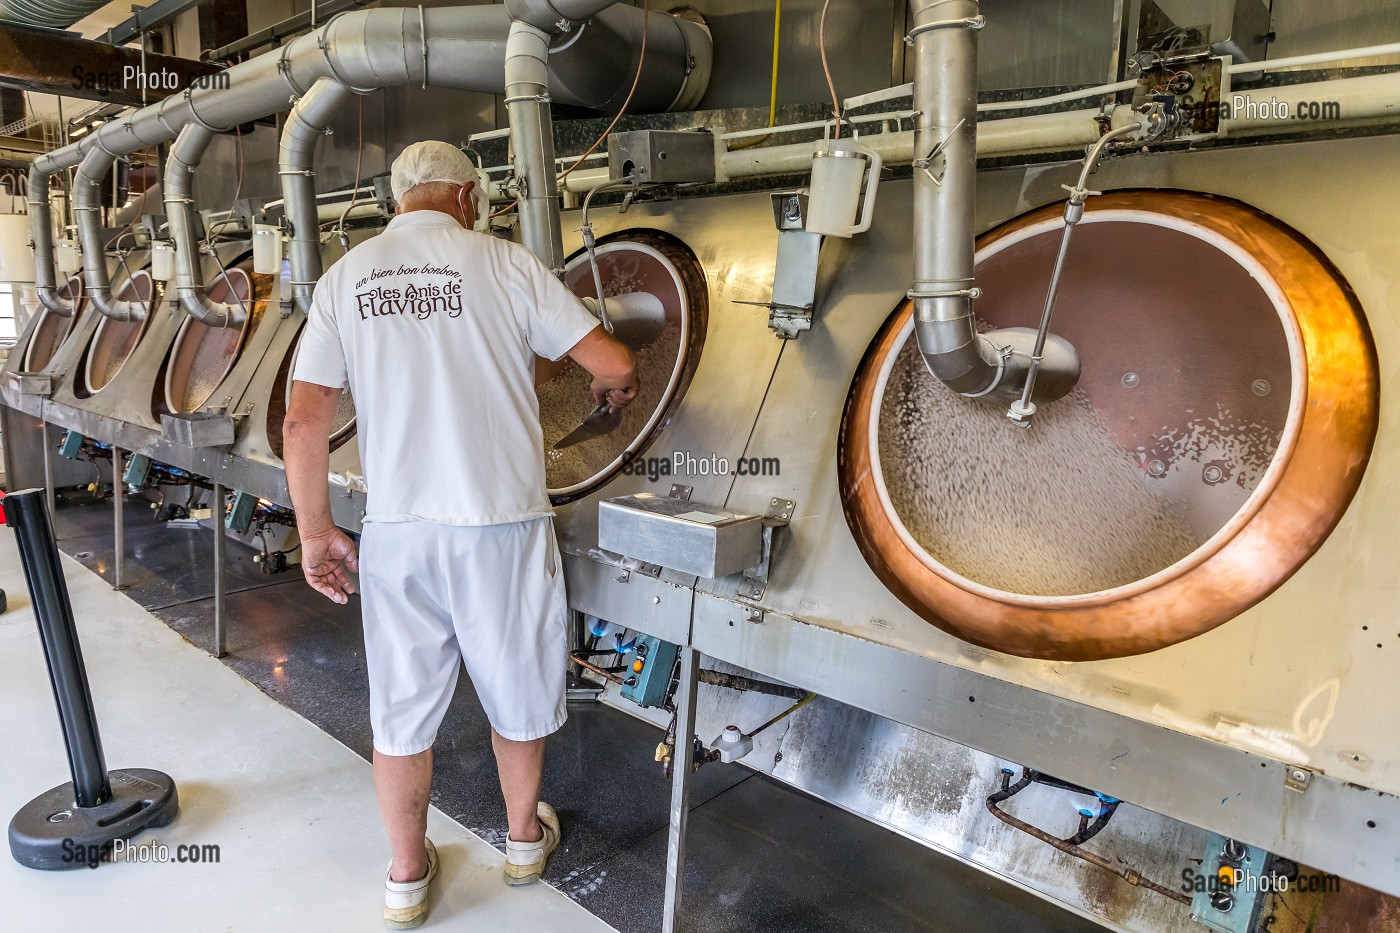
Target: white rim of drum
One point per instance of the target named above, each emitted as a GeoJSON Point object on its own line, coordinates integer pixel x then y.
{"type": "Point", "coordinates": [677, 369]}
{"type": "Point", "coordinates": [1297, 398]}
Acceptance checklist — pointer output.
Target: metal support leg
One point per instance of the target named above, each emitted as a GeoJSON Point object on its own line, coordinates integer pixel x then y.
{"type": "Point", "coordinates": [682, 766]}
{"type": "Point", "coordinates": [118, 530]}
{"type": "Point", "coordinates": [220, 635]}
{"type": "Point", "coordinates": [48, 467]}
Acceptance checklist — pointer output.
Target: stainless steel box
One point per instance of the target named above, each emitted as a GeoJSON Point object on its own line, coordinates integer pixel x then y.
{"type": "Point", "coordinates": [684, 536]}
{"type": "Point", "coordinates": [666, 156]}
{"type": "Point", "coordinates": [32, 383]}
{"type": "Point", "coordinates": [198, 429]}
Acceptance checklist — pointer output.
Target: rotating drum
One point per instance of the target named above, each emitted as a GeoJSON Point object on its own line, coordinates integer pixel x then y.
{"type": "Point", "coordinates": [1222, 423]}
{"type": "Point", "coordinates": [629, 262]}
{"type": "Point", "coordinates": [202, 356]}
{"type": "Point", "coordinates": [52, 329]}
{"type": "Point", "coordinates": [342, 425]}
{"type": "Point", "coordinates": [114, 341]}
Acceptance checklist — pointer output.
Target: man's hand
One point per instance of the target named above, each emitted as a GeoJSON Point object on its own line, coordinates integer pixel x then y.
{"type": "Point", "coordinates": [613, 365]}
{"type": "Point", "coordinates": [616, 399]}
{"type": "Point", "coordinates": [325, 558]}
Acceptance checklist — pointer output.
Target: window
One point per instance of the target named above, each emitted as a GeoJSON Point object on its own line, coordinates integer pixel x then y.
{"type": "Point", "coordinates": [9, 305]}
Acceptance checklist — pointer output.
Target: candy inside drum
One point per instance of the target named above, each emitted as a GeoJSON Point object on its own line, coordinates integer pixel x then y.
{"type": "Point", "coordinates": [114, 341]}
{"type": "Point", "coordinates": [664, 270]}
{"type": "Point", "coordinates": [1132, 513]}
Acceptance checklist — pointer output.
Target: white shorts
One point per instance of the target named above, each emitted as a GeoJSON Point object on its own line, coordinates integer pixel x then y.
{"type": "Point", "coordinates": [434, 596]}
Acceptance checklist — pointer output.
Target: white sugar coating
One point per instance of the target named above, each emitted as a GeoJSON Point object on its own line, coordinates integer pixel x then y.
{"type": "Point", "coordinates": [565, 400]}
{"type": "Point", "coordinates": [1055, 510]}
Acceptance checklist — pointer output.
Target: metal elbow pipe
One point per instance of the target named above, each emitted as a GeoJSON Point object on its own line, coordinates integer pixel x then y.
{"type": "Point", "coordinates": [595, 64]}
{"type": "Point", "coordinates": [41, 232]}
{"type": "Point", "coordinates": [184, 158]}
{"type": "Point", "coordinates": [944, 34]}
{"type": "Point", "coordinates": [555, 15]}
{"type": "Point", "coordinates": [87, 210]}
{"type": "Point", "coordinates": [306, 124]}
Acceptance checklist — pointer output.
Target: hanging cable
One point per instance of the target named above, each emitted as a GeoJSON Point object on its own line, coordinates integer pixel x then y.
{"type": "Point", "coordinates": [355, 195]}
{"type": "Point", "coordinates": [830, 85]}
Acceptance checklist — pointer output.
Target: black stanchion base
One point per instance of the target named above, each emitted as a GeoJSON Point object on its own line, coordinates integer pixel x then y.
{"type": "Point", "coordinates": [53, 834]}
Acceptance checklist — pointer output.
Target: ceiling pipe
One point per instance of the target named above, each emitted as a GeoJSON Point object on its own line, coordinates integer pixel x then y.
{"type": "Point", "coordinates": [87, 212]}
{"type": "Point", "coordinates": [992, 366]}
{"type": "Point", "coordinates": [678, 63]}
{"type": "Point", "coordinates": [532, 141]}
{"type": "Point", "coordinates": [454, 47]}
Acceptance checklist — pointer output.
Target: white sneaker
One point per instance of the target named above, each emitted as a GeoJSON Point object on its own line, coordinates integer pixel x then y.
{"type": "Point", "coordinates": [525, 860]}
{"type": "Point", "coordinates": [406, 902]}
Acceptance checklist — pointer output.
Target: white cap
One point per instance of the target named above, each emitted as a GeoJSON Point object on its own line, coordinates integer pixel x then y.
{"type": "Point", "coordinates": [429, 161]}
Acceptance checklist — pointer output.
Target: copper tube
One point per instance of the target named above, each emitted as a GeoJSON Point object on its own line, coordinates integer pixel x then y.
{"type": "Point", "coordinates": [1333, 426]}
{"type": "Point", "coordinates": [1130, 875]}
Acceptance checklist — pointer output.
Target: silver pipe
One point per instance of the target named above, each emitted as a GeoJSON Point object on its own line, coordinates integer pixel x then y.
{"type": "Point", "coordinates": [945, 98]}
{"type": "Point", "coordinates": [41, 232]}
{"type": "Point", "coordinates": [87, 211]}
{"type": "Point", "coordinates": [307, 123]}
{"type": "Point", "coordinates": [455, 47]}
{"type": "Point", "coordinates": [180, 164]}
{"type": "Point", "coordinates": [555, 15]}
{"type": "Point", "coordinates": [532, 141]}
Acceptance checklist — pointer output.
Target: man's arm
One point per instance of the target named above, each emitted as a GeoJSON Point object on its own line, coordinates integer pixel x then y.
{"type": "Point", "coordinates": [326, 551]}
{"type": "Point", "coordinates": [613, 365]}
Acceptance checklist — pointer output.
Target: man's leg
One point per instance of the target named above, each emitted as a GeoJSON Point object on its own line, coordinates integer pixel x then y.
{"type": "Point", "coordinates": [401, 784]}
{"type": "Point", "coordinates": [521, 767]}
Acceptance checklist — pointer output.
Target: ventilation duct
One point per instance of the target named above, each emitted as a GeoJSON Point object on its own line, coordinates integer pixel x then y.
{"type": "Point", "coordinates": [54, 14]}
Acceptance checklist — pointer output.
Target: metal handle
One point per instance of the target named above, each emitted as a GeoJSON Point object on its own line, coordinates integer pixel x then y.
{"type": "Point", "coordinates": [871, 180]}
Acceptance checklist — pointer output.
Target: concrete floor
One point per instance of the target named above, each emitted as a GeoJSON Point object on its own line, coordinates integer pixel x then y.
{"type": "Point", "coordinates": [291, 809]}
{"type": "Point", "coordinates": [262, 781]}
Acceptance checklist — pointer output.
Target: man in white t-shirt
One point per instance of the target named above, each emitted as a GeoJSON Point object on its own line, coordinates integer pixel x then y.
{"type": "Point", "coordinates": [436, 330]}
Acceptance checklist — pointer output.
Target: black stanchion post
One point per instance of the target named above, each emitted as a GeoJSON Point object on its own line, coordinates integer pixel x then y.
{"type": "Point", "coordinates": [74, 825]}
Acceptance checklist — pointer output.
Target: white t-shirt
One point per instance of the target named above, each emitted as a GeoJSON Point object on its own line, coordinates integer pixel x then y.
{"type": "Point", "coordinates": [434, 328]}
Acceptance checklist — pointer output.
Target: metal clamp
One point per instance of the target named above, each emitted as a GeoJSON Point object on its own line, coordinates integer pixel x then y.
{"type": "Point", "coordinates": [973, 293]}
{"type": "Point", "coordinates": [755, 581]}
{"type": "Point", "coordinates": [968, 22]}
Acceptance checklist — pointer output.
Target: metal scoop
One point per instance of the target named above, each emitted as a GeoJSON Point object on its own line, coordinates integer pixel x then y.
{"type": "Point", "coordinates": [637, 319]}
{"type": "Point", "coordinates": [599, 421]}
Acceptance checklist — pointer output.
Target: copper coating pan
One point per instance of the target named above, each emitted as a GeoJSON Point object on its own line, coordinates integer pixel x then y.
{"type": "Point", "coordinates": [658, 264]}
{"type": "Point", "coordinates": [1325, 446]}
{"type": "Point", "coordinates": [53, 329]}
{"type": "Point", "coordinates": [202, 355]}
{"type": "Point", "coordinates": [114, 341]}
